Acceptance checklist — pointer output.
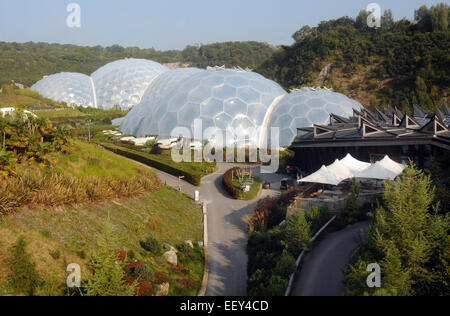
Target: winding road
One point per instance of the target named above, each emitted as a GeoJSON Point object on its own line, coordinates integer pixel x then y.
{"type": "Point", "coordinates": [322, 273]}
{"type": "Point", "coordinates": [227, 231]}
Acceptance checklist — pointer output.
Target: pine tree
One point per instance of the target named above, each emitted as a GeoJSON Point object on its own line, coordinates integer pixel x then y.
{"type": "Point", "coordinates": [108, 271]}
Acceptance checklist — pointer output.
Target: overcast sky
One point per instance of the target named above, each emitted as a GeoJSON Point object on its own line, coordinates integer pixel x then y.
{"type": "Point", "coordinates": [173, 24]}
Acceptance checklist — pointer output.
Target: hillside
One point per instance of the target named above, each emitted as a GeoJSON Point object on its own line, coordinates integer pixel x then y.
{"type": "Point", "coordinates": [29, 62]}
{"type": "Point", "coordinates": [66, 201]}
{"type": "Point", "coordinates": [401, 64]}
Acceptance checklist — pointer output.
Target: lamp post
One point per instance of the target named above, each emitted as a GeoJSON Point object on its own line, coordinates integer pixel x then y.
{"type": "Point", "coordinates": [179, 182]}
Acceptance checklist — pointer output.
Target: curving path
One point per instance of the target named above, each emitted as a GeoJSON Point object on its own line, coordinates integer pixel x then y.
{"type": "Point", "coordinates": [227, 231]}
{"type": "Point", "coordinates": [322, 272]}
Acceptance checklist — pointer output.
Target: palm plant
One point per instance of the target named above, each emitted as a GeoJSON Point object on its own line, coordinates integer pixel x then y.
{"type": "Point", "coordinates": [7, 163]}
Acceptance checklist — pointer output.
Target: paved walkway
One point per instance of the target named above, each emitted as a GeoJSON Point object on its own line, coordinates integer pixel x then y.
{"type": "Point", "coordinates": [322, 271]}
{"type": "Point", "coordinates": [227, 230]}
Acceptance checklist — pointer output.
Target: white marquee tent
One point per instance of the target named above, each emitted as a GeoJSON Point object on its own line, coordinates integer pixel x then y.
{"type": "Point", "coordinates": [353, 164]}
{"type": "Point", "coordinates": [349, 167]}
{"type": "Point", "coordinates": [323, 176]}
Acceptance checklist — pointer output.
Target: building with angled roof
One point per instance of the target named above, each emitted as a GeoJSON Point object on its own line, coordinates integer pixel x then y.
{"type": "Point", "coordinates": [369, 136]}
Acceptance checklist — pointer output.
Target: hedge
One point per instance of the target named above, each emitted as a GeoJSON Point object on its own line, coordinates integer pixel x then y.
{"type": "Point", "coordinates": [194, 178]}
{"type": "Point", "coordinates": [227, 181]}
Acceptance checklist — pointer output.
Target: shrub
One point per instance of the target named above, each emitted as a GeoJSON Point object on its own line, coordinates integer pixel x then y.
{"type": "Point", "coordinates": [184, 248]}
{"type": "Point", "coordinates": [277, 286]}
{"type": "Point", "coordinates": [227, 181]}
{"type": "Point", "coordinates": [108, 277]}
{"type": "Point", "coordinates": [152, 245]}
{"type": "Point", "coordinates": [23, 278]}
{"type": "Point", "coordinates": [55, 254]}
{"type": "Point", "coordinates": [352, 210]}
{"type": "Point", "coordinates": [297, 233]}
{"type": "Point", "coordinates": [144, 271]}
{"type": "Point", "coordinates": [191, 177]}
{"type": "Point", "coordinates": [156, 150]}
{"type": "Point", "coordinates": [285, 266]}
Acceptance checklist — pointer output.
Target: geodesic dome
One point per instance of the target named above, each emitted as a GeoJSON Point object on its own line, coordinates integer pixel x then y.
{"type": "Point", "coordinates": [306, 107]}
{"type": "Point", "coordinates": [221, 98]}
{"type": "Point", "coordinates": [123, 82]}
{"type": "Point", "coordinates": [73, 88]}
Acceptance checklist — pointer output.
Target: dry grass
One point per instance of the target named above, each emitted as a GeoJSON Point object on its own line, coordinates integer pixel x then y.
{"type": "Point", "coordinates": [32, 187]}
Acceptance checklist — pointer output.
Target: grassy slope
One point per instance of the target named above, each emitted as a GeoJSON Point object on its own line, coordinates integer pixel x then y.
{"type": "Point", "coordinates": [91, 160]}
{"type": "Point", "coordinates": [167, 215]}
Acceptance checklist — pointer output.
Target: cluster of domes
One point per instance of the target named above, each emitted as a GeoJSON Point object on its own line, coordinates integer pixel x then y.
{"type": "Point", "coordinates": [118, 84]}
{"type": "Point", "coordinates": [163, 99]}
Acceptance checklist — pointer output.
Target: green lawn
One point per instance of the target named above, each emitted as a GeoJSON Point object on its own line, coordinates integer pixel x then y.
{"type": "Point", "coordinates": [92, 160]}
{"type": "Point", "coordinates": [252, 194]}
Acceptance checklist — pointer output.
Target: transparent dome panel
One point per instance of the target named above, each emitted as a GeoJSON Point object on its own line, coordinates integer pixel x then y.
{"type": "Point", "coordinates": [305, 107]}
{"type": "Point", "coordinates": [223, 98]}
{"type": "Point", "coordinates": [122, 83]}
{"type": "Point", "coordinates": [75, 89]}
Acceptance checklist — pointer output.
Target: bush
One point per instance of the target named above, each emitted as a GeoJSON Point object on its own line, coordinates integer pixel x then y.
{"type": "Point", "coordinates": [145, 272]}
{"type": "Point", "coordinates": [227, 181]}
{"type": "Point", "coordinates": [285, 266]}
{"type": "Point", "coordinates": [23, 278]}
{"type": "Point", "coordinates": [297, 233]}
{"type": "Point", "coordinates": [152, 245]}
{"type": "Point", "coordinates": [277, 286]}
{"type": "Point", "coordinates": [353, 212]}
{"type": "Point", "coordinates": [191, 177]}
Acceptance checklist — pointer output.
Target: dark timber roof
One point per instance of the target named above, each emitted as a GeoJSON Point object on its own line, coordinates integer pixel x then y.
{"type": "Point", "coordinates": [391, 128]}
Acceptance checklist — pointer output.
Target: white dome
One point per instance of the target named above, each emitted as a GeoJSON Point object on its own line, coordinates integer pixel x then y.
{"type": "Point", "coordinates": [73, 88]}
{"type": "Point", "coordinates": [123, 82]}
{"type": "Point", "coordinates": [221, 98]}
{"type": "Point", "coordinates": [306, 107]}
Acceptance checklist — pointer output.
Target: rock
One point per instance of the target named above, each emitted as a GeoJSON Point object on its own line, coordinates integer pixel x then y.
{"type": "Point", "coordinates": [189, 243]}
{"type": "Point", "coordinates": [200, 243]}
{"type": "Point", "coordinates": [171, 257]}
{"type": "Point", "coordinates": [163, 289]}
{"type": "Point", "coordinates": [168, 247]}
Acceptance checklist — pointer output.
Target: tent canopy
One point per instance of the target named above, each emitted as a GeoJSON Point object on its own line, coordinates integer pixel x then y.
{"type": "Point", "coordinates": [341, 171]}
{"type": "Point", "coordinates": [380, 172]}
{"type": "Point", "coordinates": [350, 167]}
{"type": "Point", "coordinates": [391, 165]}
{"type": "Point", "coordinates": [353, 164]}
{"type": "Point", "coordinates": [323, 176]}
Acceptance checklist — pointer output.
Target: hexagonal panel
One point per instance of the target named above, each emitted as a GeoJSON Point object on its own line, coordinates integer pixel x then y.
{"type": "Point", "coordinates": [224, 92]}
{"type": "Point", "coordinates": [234, 107]}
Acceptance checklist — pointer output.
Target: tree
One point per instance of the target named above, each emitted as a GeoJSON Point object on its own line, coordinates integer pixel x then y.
{"type": "Point", "coordinates": [63, 135]}
{"type": "Point", "coordinates": [7, 163]}
{"type": "Point", "coordinates": [387, 20]}
{"type": "Point", "coordinates": [422, 94]}
{"type": "Point", "coordinates": [23, 278]}
{"type": "Point", "coordinates": [301, 34]}
{"type": "Point", "coordinates": [108, 278]}
{"type": "Point", "coordinates": [440, 16]}
{"type": "Point", "coordinates": [361, 20]}
{"type": "Point", "coordinates": [297, 233]}
{"type": "Point", "coordinates": [408, 239]}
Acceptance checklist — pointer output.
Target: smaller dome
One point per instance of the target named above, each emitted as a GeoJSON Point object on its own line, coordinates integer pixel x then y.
{"type": "Point", "coordinates": [306, 107]}
{"type": "Point", "coordinates": [123, 82]}
{"type": "Point", "coordinates": [75, 89]}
